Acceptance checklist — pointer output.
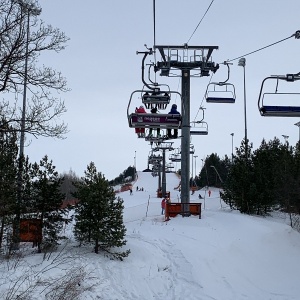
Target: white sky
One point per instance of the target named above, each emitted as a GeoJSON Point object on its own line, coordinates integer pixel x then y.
{"type": "Point", "coordinates": [224, 255]}
{"type": "Point", "coordinates": [102, 69]}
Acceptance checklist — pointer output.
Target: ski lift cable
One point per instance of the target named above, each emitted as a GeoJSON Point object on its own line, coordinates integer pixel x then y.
{"type": "Point", "coordinates": [201, 20]}
{"type": "Point", "coordinates": [296, 35]}
{"type": "Point", "coordinates": [201, 107]}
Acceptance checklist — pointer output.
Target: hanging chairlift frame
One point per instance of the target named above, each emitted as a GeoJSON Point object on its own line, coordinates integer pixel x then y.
{"type": "Point", "coordinates": [278, 110]}
{"type": "Point", "coordinates": [199, 127]}
{"type": "Point", "coordinates": [226, 95]}
{"type": "Point", "coordinates": [154, 97]}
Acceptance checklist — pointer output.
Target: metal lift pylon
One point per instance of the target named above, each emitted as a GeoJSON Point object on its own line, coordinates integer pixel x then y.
{"type": "Point", "coordinates": [191, 61]}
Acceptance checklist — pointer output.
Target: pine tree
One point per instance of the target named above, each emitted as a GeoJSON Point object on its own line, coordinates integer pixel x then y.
{"type": "Point", "coordinates": [47, 201]}
{"type": "Point", "coordinates": [239, 189]}
{"type": "Point", "coordinates": [8, 176]}
{"type": "Point", "coordinates": [99, 214]}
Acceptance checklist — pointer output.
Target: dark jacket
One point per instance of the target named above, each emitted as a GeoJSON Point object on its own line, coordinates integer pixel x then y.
{"type": "Point", "coordinates": [174, 111]}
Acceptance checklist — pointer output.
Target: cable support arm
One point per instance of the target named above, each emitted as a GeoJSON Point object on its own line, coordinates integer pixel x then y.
{"type": "Point", "coordinates": [228, 72]}
{"type": "Point", "coordinates": [146, 53]}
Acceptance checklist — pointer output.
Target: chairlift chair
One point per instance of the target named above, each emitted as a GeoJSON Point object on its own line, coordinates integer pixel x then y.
{"type": "Point", "coordinates": [199, 128]}
{"type": "Point", "coordinates": [226, 93]}
{"type": "Point", "coordinates": [221, 92]}
{"type": "Point", "coordinates": [175, 157]}
{"type": "Point", "coordinates": [278, 110]}
{"type": "Point", "coordinates": [150, 120]}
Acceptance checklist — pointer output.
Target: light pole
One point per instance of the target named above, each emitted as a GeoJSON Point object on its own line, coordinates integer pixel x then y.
{"type": "Point", "coordinates": [298, 124]}
{"type": "Point", "coordinates": [135, 164]}
{"type": "Point", "coordinates": [217, 173]}
{"type": "Point", "coordinates": [220, 180]}
{"type": "Point", "coordinates": [242, 63]}
{"type": "Point", "coordinates": [31, 10]}
{"type": "Point", "coordinates": [232, 134]}
{"type": "Point", "coordinates": [192, 167]}
{"type": "Point", "coordinates": [195, 156]}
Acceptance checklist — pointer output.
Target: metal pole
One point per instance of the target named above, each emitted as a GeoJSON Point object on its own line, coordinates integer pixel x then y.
{"type": "Point", "coordinates": [185, 141]}
{"type": "Point", "coordinates": [217, 173]}
{"type": "Point", "coordinates": [192, 167]}
{"type": "Point", "coordinates": [164, 182]}
{"type": "Point", "coordinates": [242, 63]}
{"type": "Point", "coordinates": [298, 125]}
{"type": "Point", "coordinates": [30, 10]}
{"type": "Point", "coordinates": [195, 156]}
{"type": "Point", "coordinates": [159, 177]}
{"type": "Point", "coordinates": [245, 107]}
{"type": "Point", "coordinates": [232, 134]}
{"type": "Point", "coordinates": [22, 137]}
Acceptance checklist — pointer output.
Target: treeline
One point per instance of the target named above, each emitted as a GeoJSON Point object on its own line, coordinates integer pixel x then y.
{"type": "Point", "coordinates": [34, 192]}
{"type": "Point", "coordinates": [257, 181]}
{"type": "Point", "coordinates": [126, 176]}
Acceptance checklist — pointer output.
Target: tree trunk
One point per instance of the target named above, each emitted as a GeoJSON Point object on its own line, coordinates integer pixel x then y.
{"type": "Point", "coordinates": [2, 230]}
{"type": "Point", "coordinates": [97, 246]}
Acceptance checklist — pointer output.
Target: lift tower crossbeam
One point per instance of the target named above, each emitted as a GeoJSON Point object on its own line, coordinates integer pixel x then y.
{"type": "Point", "coordinates": [186, 59]}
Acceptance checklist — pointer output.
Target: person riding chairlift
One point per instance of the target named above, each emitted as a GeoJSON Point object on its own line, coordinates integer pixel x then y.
{"type": "Point", "coordinates": [140, 131]}
{"type": "Point", "coordinates": [173, 111]}
{"type": "Point", "coordinates": [154, 111]}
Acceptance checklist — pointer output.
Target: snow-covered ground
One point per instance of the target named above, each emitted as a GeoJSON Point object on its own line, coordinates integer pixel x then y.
{"type": "Point", "coordinates": [222, 256]}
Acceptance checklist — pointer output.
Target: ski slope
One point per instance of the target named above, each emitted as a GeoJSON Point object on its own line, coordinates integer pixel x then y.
{"type": "Point", "coordinates": [224, 255]}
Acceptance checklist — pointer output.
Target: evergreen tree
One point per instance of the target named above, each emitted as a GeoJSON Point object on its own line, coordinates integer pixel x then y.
{"type": "Point", "coordinates": [8, 176]}
{"type": "Point", "coordinates": [209, 176]}
{"type": "Point", "coordinates": [239, 189]}
{"type": "Point", "coordinates": [47, 201]}
{"type": "Point", "coordinates": [99, 214]}
{"type": "Point", "coordinates": [265, 162]}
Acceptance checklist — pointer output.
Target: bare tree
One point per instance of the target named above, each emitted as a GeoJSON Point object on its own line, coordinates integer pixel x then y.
{"type": "Point", "coordinates": [23, 38]}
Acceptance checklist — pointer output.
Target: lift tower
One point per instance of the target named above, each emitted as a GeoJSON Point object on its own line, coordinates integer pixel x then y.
{"type": "Point", "coordinates": [165, 146]}
{"type": "Point", "coordinates": [185, 62]}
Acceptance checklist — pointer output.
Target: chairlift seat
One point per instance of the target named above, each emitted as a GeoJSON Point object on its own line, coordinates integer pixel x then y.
{"type": "Point", "coordinates": [220, 100]}
{"type": "Point", "coordinates": [280, 111]}
{"type": "Point", "coordinates": [175, 159]}
{"type": "Point", "coordinates": [224, 94]}
{"type": "Point", "coordinates": [160, 100]}
{"type": "Point", "coordinates": [199, 128]}
{"type": "Point", "coordinates": [138, 120]}
{"type": "Point", "coordinates": [156, 139]}
{"type": "Point", "coordinates": [199, 132]}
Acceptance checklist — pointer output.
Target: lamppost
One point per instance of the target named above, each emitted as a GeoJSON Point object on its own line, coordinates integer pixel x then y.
{"type": "Point", "coordinates": [134, 164]}
{"type": "Point", "coordinates": [232, 134]}
{"type": "Point", "coordinates": [195, 156]}
{"type": "Point", "coordinates": [242, 63]}
{"type": "Point", "coordinates": [31, 10]}
{"type": "Point", "coordinates": [217, 173]}
{"type": "Point", "coordinates": [298, 124]}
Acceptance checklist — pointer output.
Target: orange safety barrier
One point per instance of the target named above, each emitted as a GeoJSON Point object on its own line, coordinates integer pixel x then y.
{"type": "Point", "coordinates": [126, 187]}
{"type": "Point", "coordinates": [174, 209]}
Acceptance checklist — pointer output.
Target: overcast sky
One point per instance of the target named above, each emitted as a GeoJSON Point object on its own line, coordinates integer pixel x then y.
{"type": "Point", "coordinates": [102, 69]}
